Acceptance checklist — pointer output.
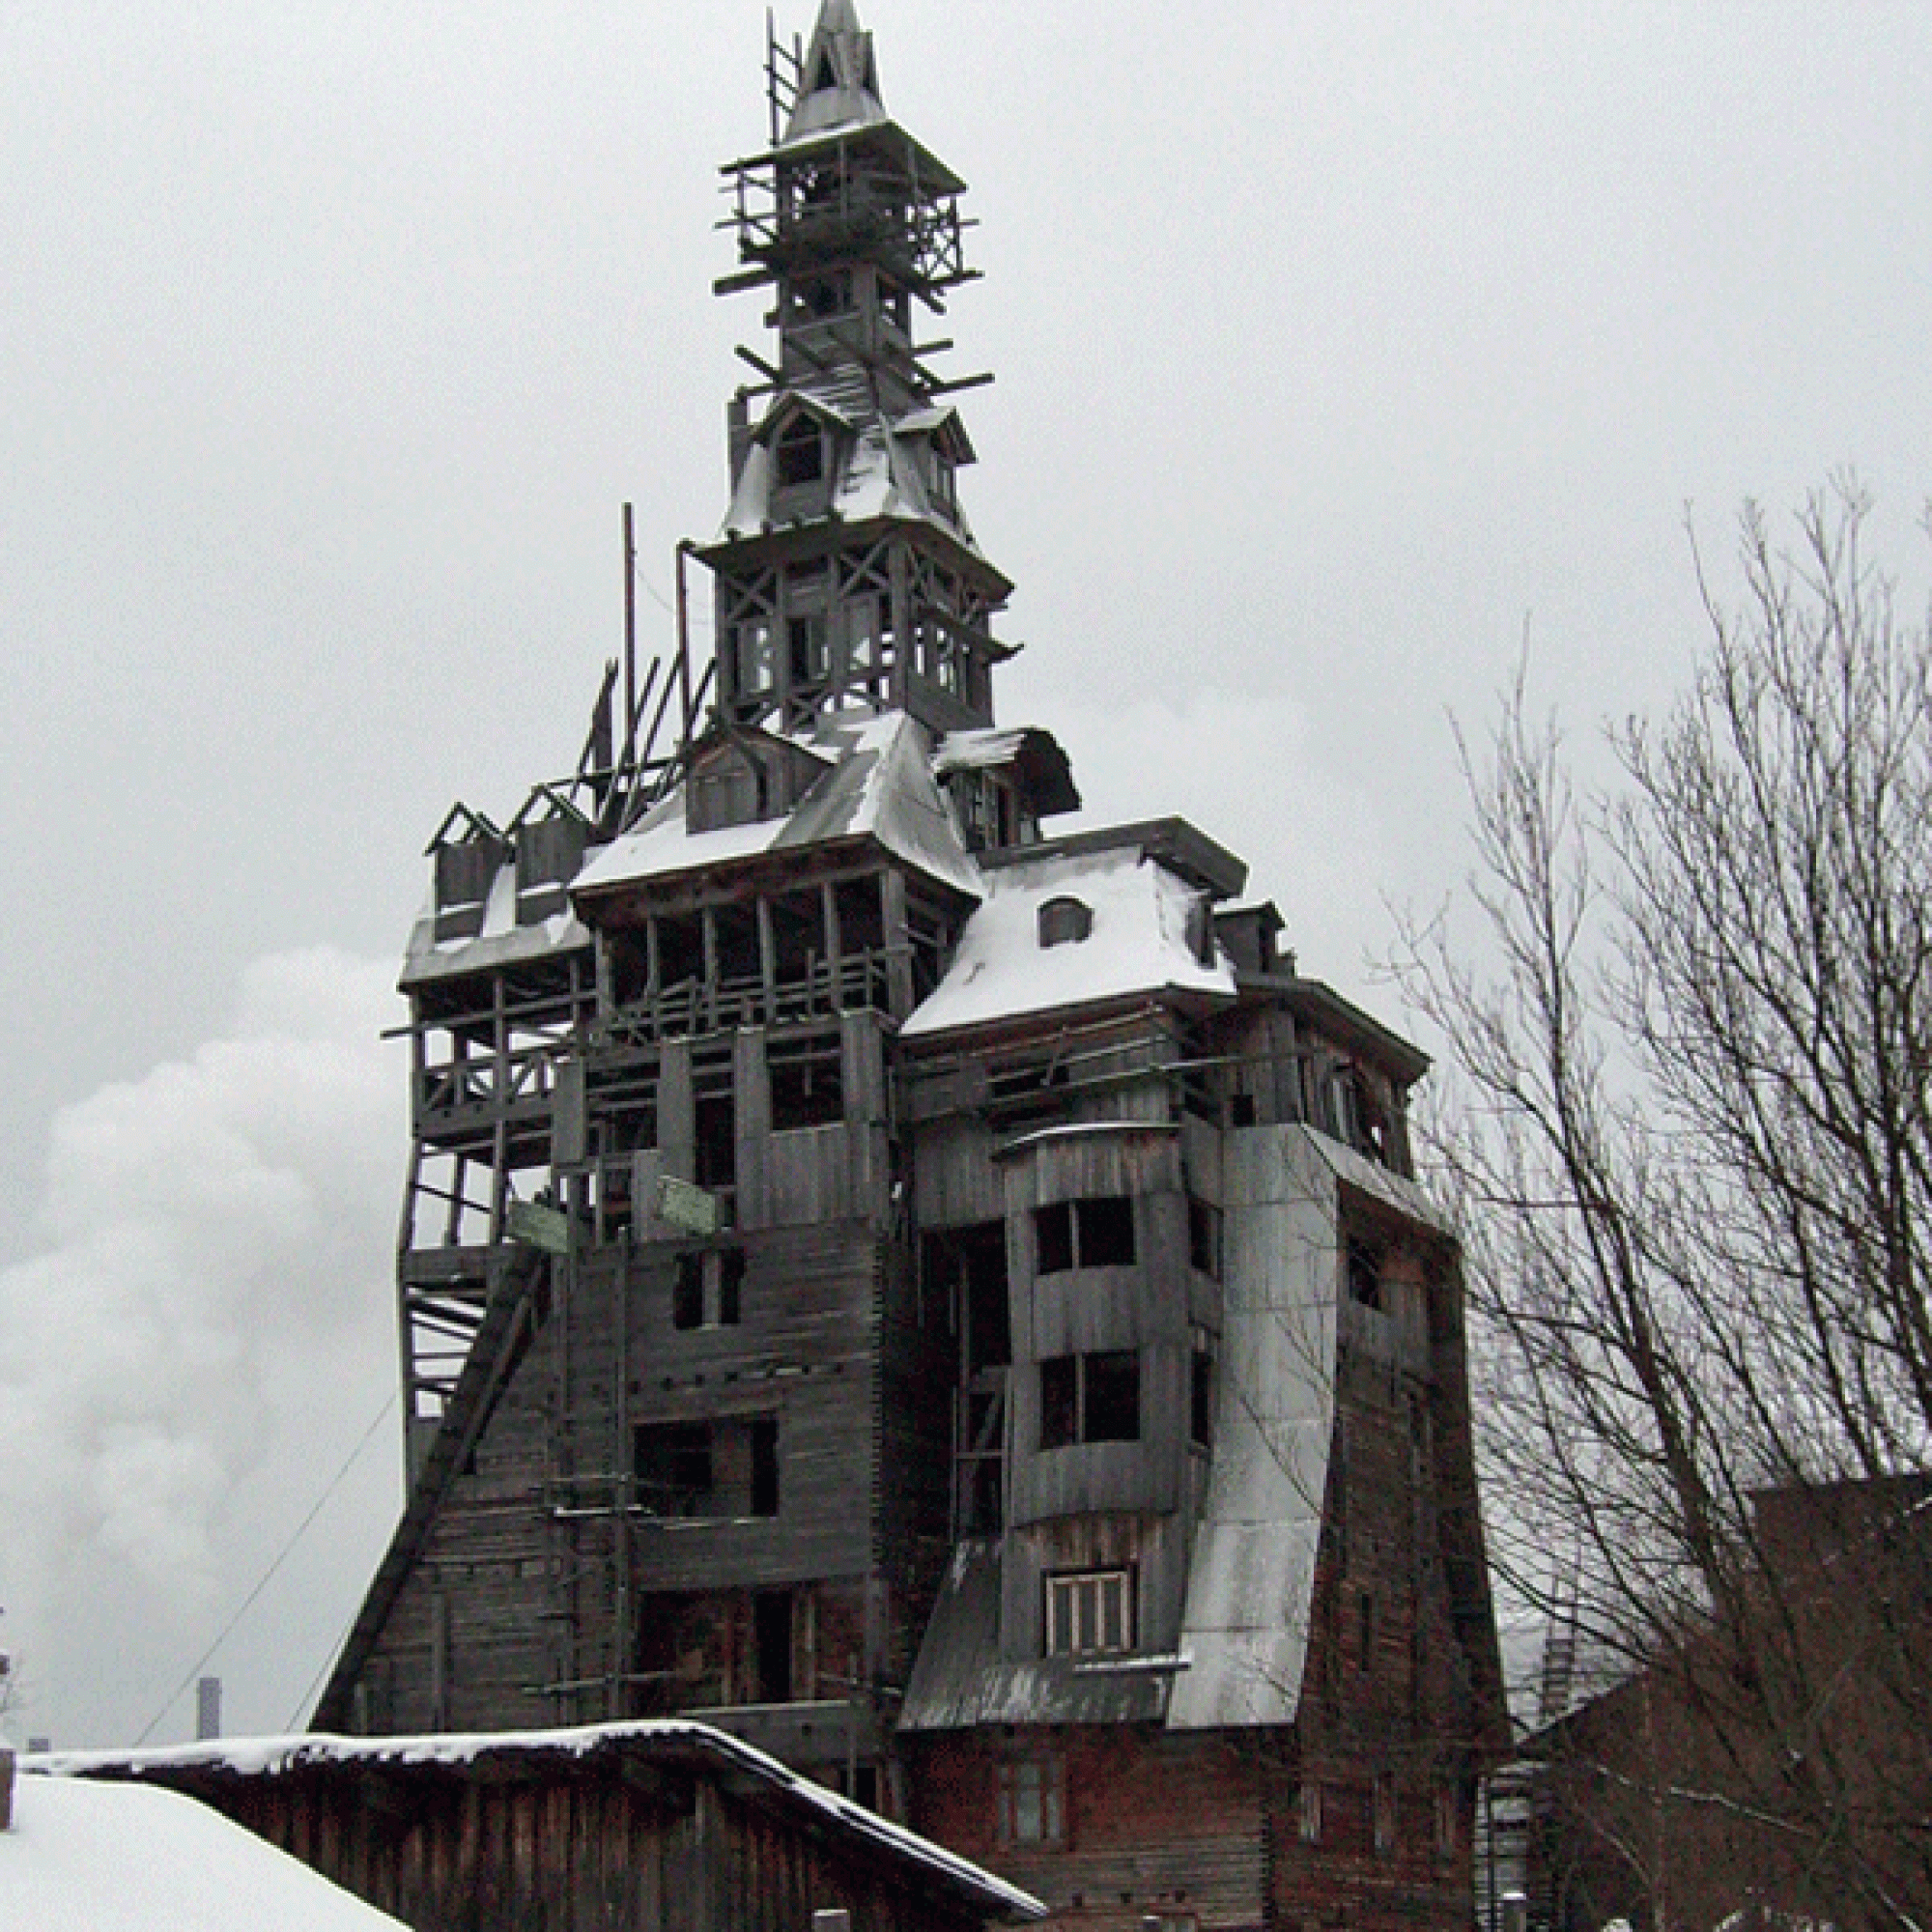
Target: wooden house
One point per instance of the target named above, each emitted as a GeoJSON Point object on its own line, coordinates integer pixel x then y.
{"type": "Point", "coordinates": [663, 1825]}
{"type": "Point", "coordinates": [946, 1300]}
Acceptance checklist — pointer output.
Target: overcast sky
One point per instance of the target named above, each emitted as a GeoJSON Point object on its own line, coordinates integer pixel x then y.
{"type": "Point", "coordinates": [1338, 343]}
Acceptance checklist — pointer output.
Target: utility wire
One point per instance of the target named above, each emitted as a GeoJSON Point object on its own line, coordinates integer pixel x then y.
{"type": "Point", "coordinates": [335, 1481]}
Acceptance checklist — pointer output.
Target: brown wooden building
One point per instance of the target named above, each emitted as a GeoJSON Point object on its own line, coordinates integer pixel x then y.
{"type": "Point", "coordinates": [944, 1300]}
{"type": "Point", "coordinates": [663, 1825]}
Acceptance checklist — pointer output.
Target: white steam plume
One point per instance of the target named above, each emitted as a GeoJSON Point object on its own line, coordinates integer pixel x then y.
{"type": "Point", "coordinates": [217, 1238]}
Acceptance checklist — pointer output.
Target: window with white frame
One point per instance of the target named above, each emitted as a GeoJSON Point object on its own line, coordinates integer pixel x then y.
{"type": "Point", "coordinates": [1089, 1614]}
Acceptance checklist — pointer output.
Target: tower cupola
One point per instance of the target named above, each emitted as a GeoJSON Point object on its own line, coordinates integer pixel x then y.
{"type": "Point", "coordinates": [846, 572]}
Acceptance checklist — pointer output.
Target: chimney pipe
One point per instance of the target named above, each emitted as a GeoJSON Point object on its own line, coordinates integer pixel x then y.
{"type": "Point", "coordinates": [206, 1709]}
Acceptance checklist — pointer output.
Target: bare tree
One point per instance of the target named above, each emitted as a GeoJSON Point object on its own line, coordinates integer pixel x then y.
{"type": "Point", "coordinates": [1692, 1143]}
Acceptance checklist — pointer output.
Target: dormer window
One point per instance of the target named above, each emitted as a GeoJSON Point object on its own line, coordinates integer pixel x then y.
{"type": "Point", "coordinates": [1065, 922]}
{"type": "Point", "coordinates": [801, 452]}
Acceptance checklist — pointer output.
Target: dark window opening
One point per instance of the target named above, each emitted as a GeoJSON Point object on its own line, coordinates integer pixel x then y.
{"type": "Point", "coordinates": [984, 1503]}
{"type": "Point", "coordinates": [1365, 1274]}
{"type": "Point", "coordinates": [674, 1467]}
{"type": "Point", "coordinates": [764, 1439]}
{"type": "Point", "coordinates": [798, 935]}
{"type": "Point", "coordinates": [1097, 1232]}
{"type": "Point", "coordinates": [1365, 1630]}
{"type": "Point", "coordinates": [772, 1645]}
{"type": "Point", "coordinates": [717, 1141]}
{"type": "Point", "coordinates": [801, 449]}
{"type": "Point", "coordinates": [723, 1469]}
{"type": "Point", "coordinates": [1113, 1397]}
{"type": "Point", "coordinates": [807, 1086]}
{"type": "Point", "coordinates": [967, 1266]}
{"type": "Point", "coordinates": [1241, 1110]}
{"type": "Point", "coordinates": [735, 934]}
{"type": "Point", "coordinates": [806, 643]}
{"type": "Point", "coordinates": [1093, 1398]}
{"type": "Point", "coordinates": [822, 297]}
{"type": "Point", "coordinates": [862, 925]}
{"type": "Point", "coordinates": [680, 951]}
{"type": "Point", "coordinates": [1065, 922]}
{"type": "Point", "coordinates": [1059, 1402]}
{"type": "Point", "coordinates": [865, 1786]}
{"type": "Point", "coordinates": [687, 1295]}
{"type": "Point", "coordinates": [1203, 1238]}
{"type": "Point", "coordinates": [1201, 1400]}
{"type": "Point", "coordinates": [730, 1287]}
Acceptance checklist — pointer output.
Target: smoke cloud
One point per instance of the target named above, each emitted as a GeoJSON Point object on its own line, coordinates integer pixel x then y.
{"type": "Point", "coordinates": [203, 1336]}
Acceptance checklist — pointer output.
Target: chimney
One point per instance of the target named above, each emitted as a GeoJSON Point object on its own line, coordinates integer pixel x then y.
{"type": "Point", "coordinates": [5, 1785]}
{"type": "Point", "coordinates": [206, 1709]}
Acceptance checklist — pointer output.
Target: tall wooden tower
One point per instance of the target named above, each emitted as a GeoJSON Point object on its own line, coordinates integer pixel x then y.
{"type": "Point", "coordinates": [945, 1301]}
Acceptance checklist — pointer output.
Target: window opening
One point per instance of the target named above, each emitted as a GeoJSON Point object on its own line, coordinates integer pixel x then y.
{"type": "Point", "coordinates": [1311, 1812]}
{"type": "Point", "coordinates": [1089, 1613]}
{"type": "Point", "coordinates": [772, 1645]}
{"type": "Point", "coordinates": [968, 1267]}
{"type": "Point", "coordinates": [717, 1142]}
{"type": "Point", "coordinates": [687, 1295]}
{"type": "Point", "coordinates": [753, 641]}
{"type": "Point", "coordinates": [1365, 1274]}
{"type": "Point", "coordinates": [1204, 1237]}
{"type": "Point", "coordinates": [764, 1438]}
{"type": "Point", "coordinates": [1065, 922]}
{"type": "Point", "coordinates": [1091, 1398]}
{"type": "Point", "coordinates": [708, 1290]}
{"type": "Point", "coordinates": [808, 1084]}
{"type": "Point", "coordinates": [1095, 1232]}
{"type": "Point", "coordinates": [1033, 1800]}
{"type": "Point", "coordinates": [1385, 1817]}
{"type": "Point", "coordinates": [1201, 1401]}
{"type": "Point", "coordinates": [674, 1467]}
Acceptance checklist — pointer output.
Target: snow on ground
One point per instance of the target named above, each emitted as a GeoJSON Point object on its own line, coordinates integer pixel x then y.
{"type": "Point", "coordinates": [86, 1856]}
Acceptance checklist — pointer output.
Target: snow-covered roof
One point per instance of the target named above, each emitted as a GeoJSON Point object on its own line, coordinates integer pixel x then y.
{"type": "Point", "coordinates": [503, 941]}
{"type": "Point", "coordinates": [979, 750]}
{"type": "Point", "coordinates": [1139, 943]}
{"type": "Point", "coordinates": [878, 473]}
{"type": "Point", "coordinates": [880, 786]}
{"type": "Point", "coordinates": [86, 1856]}
{"type": "Point", "coordinates": [643, 1738]}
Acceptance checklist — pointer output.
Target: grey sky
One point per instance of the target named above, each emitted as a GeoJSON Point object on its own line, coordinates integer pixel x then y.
{"type": "Point", "coordinates": [1334, 340]}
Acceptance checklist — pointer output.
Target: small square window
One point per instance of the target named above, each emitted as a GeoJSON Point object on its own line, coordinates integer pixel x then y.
{"type": "Point", "coordinates": [1089, 1614]}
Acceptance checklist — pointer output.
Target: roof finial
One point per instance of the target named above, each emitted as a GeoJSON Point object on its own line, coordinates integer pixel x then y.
{"type": "Point", "coordinates": [839, 84]}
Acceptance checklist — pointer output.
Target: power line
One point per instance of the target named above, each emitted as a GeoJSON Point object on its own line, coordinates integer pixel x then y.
{"type": "Point", "coordinates": [335, 1481]}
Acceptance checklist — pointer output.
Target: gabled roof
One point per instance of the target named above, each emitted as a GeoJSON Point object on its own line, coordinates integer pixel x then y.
{"type": "Point", "coordinates": [880, 786]}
